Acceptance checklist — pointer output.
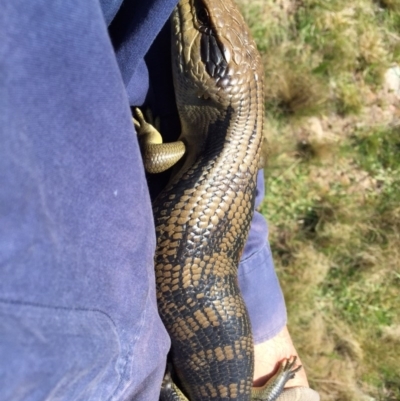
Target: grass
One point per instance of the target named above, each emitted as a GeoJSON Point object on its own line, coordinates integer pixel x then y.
{"type": "Point", "coordinates": [333, 182]}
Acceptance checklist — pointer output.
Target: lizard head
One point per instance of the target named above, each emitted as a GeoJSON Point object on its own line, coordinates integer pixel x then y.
{"type": "Point", "coordinates": [215, 60]}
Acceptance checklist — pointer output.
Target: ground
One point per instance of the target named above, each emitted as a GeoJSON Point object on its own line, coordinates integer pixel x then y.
{"type": "Point", "coordinates": [333, 185]}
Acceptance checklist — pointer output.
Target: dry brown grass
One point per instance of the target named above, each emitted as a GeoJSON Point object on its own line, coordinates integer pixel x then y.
{"type": "Point", "coordinates": [333, 182]}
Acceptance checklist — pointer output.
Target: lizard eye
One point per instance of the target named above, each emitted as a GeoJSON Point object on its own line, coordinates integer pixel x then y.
{"type": "Point", "coordinates": [203, 17]}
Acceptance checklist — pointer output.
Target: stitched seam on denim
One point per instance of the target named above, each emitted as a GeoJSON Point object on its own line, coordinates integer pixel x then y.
{"type": "Point", "coordinates": [55, 307]}
{"type": "Point", "coordinates": [124, 379]}
{"type": "Point", "coordinates": [124, 359]}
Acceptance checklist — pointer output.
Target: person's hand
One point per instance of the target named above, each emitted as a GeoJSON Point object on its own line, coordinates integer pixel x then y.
{"type": "Point", "coordinates": [269, 354]}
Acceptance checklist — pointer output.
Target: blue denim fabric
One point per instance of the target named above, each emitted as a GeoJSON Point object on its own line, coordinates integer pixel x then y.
{"type": "Point", "coordinates": [257, 278]}
{"type": "Point", "coordinates": [78, 314]}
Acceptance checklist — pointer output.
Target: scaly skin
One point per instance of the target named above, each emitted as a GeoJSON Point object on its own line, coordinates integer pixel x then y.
{"type": "Point", "coordinates": [203, 216]}
{"type": "Point", "coordinates": [157, 156]}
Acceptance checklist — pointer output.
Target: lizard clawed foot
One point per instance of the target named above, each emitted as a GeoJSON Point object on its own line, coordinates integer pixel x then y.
{"type": "Point", "coordinates": [169, 390]}
{"type": "Point", "coordinates": [274, 386]}
{"type": "Point", "coordinates": [157, 156]}
{"type": "Point", "coordinates": [147, 127]}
